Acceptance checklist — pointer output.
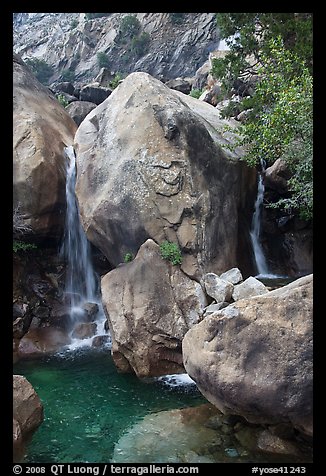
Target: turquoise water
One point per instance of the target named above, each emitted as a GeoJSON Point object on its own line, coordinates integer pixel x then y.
{"type": "Point", "coordinates": [88, 405]}
{"type": "Point", "coordinates": [94, 414]}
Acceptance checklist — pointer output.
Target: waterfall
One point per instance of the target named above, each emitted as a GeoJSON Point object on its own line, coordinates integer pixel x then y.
{"type": "Point", "coordinates": [81, 281]}
{"type": "Point", "coordinates": [260, 259]}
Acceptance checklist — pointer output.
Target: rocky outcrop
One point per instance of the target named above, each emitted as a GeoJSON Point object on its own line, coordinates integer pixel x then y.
{"type": "Point", "coordinates": [27, 407]}
{"type": "Point", "coordinates": [148, 166]}
{"type": "Point", "coordinates": [150, 305]}
{"type": "Point", "coordinates": [42, 129]}
{"type": "Point", "coordinates": [254, 358]}
{"type": "Point", "coordinates": [70, 42]}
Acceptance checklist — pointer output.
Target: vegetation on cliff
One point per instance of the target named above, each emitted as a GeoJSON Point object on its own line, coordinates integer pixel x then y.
{"type": "Point", "coordinates": [270, 60]}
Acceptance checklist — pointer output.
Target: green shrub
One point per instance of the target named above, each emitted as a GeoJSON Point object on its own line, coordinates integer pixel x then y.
{"type": "Point", "coordinates": [22, 246]}
{"type": "Point", "coordinates": [102, 59]}
{"type": "Point", "coordinates": [171, 252]}
{"type": "Point", "coordinates": [195, 93]}
{"type": "Point", "coordinates": [40, 69]}
{"type": "Point", "coordinates": [74, 24]}
{"type": "Point", "coordinates": [115, 81]}
{"type": "Point", "coordinates": [139, 44]}
{"type": "Point", "coordinates": [62, 100]}
{"type": "Point", "coordinates": [129, 26]}
{"type": "Point", "coordinates": [128, 257]}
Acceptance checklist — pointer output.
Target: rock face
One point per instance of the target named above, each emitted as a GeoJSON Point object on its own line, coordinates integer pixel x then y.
{"type": "Point", "coordinates": [78, 110]}
{"type": "Point", "coordinates": [42, 129]}
{"type": "Point", "coordinates": [150, 167]}
{"type": "Point", "coordinates": [254, 358]}
{"type": "Point", "coordinates": [175, 49]}
{"type": "Point", "coordinates": [150, 305]}
{"type": "Point", "coordinates": [27, 407]}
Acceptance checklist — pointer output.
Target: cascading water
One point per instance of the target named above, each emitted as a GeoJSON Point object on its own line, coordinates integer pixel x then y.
{"type": "Point", "coordinates": [81, 281]}
{"type": "Point", "coordinates": [260, 259]}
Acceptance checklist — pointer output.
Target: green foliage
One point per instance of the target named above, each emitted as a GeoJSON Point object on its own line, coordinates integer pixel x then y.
{"type": "Point", "coordinates": [129, 26]}
{"type": "Point", "coordinates": [68, 75]}
{"type": "Point", "coordinates": [140, 44]}
{"type": "Point", "coordinates": [171, 252]}
{"type": "Point", "coordinates": [281, 123]}
{"type": "Point", "coordinates": [248, 35]}
{"type": "Point", "coordinates": [177, 17]}
{"type": "Point", "coordinates": [62, 100]}
{"type": "Point", "coordinates": [128, 257]}
{"type": "Point", "coordinates": [74, 24]}
{"type": "Point", "coordinates": [275, 48]}
{"type": "Point", "coordinates": [195, 93]}
{"type": "Point", "coordinates": [22, 246]}
{"type": "Point", "coordinates": [115, 81]}
{"type": "Point", "coordinates": [102, 59]}
{"type": "Point", "coordinates": [90, 16]}
{"type": "Point", "coordinates": [40, 69]}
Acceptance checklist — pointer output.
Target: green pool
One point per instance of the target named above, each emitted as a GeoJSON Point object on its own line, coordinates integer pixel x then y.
{"type": "Point", "coordinates": [88, 405]}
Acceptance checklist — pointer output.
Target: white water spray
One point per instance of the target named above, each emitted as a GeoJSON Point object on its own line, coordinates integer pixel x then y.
{"type": "Point", "coordinates": [81, 281]}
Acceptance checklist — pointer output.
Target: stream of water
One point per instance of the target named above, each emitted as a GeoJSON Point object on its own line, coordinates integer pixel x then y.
{"type": "Point", "coordinates": [81, 285]}
{"type": "Point", "coordinates": [262, 267]}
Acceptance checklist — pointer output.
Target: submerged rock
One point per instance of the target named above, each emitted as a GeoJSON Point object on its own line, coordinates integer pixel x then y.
{"type": "Point", "coordinates": [175, 436]}
{"type": "Point", "coordinates": [254, 358]}
{"type": "Point", "coordinates": [150, 305]}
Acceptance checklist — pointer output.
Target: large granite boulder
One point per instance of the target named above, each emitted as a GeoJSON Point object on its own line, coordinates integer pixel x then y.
{"type": "Point", "coordinates": [150, 305]}
{"type": "Point", "coordinates": [254, 357]}
{"type": "Point", "coordinates": [150, 166]}
{"type": "Point", "coordinates": [41, 131]}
